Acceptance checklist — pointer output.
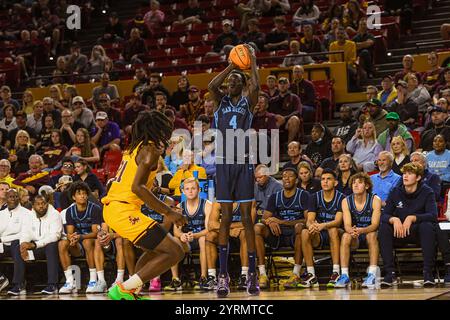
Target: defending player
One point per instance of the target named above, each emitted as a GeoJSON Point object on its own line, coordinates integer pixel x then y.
{"type": "Point", "coordinates": [361, 212]}
{"type": "Point", "coordinates": [235, 179]}
{"type": "Point", "coordinates": [322, 228]}
{"type": "Point", "coordinates": [132, 188]}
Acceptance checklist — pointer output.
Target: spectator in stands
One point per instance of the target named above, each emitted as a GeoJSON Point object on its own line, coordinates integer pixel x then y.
{"type": "Point", "coordinates": [444, 85]}
{"type": "Point", "coordinates": [386, 179]}
{"type": "Point", "coordinates": [68, 128]}
{"type": "Point", "coordinates": [254, 37]}
{"type": "Point", "coordinates": [265, 186]}
{"type": "Point", "coordinates": [140, 74]}
{"type": "Point", "coordinates": [278, 37]}
{"type": "Point", "coordinates": [352, 15]}
{"type": "Point", "coordinates": [331, 36]}
{"type": "Point", "coordinates": [282, 225]}
{"type": "Point", "coordinates": [272, 88]}
{"type": "Point", "coordinates": [445, 31]}
{"type": "Point", "coordinates": [322, 229]}
{"type": "Point", "coordinates": [410, 216]}
{"type": "Point", "coordinates": [347, 127]}
{"type": "Point", "coordinates": [21, 152]}
{"type": "Point", "coordinates": [365, 147]}
{"type": "Point", "coordinates": [105, 87]}
{"type": "Point", "coordinates": [139, 24]}
{"type": "Point", "coordinates": [349, 48]}
{"type": "Point", "coordinates": [226, 40]}
{"type": "Point", "coordinates": [45, 135]}
{"type": "Point", "coordinates": [184, 171]}
{"type": "Point", "coordinates": [181, 95]}
{"type": "Point", "coordinates": [296, 156]}
{"type": "Point", "coordinates": [5, 99]}
{"type": "Point", "coordinates": [401, 154]}
{"type": "Point", "coordinates": [306, 179]}
{"type": "Point", "coordinates": [56, 95]}
{"type": "Point", "coordinates": [21, 121]}
{"type": "Point", "coordinates": [56, 151]}
{"type": "Point", "coordinates": [35, 119]}
{"type": "Point", "coordinates": [287, 109]}
{"type": "Point", "coordinates": [292, 59]}
{"type": "Point", "coordinates": [5, 168]}
{"type": "Point", "coordinates": [434, 75]}
{"type": "Point", "coordinates": [438, 160]}
{"type": "Point", "coordinates": [49, 109]}
{"type": "Point", "coordinates": [155, 17]}
{"type": "Point", "coordinates": [27, 102]}
{"type": "Point", "coordinates": [336, 11]}
{"type": "Point", "coordinates": [345, 169]}
{"type": "Point", "coordinates": [97, 62]}
{"type": "Point", "coordinates": [84, 148]}
{"type": "Point", "coordinates": [154, 85]}
{"type": "Point", "coordinates": [389, 92]}
{"type": "Point", "coordinates": [8, 123]}
{"type": "Point", "coordinates": [405, 10]}
{"type": "Point", "coordinates": [192, 14]}
{"type": "Point", "coordinates": [430, 179]}
{"type": "Point", "coordinates": [34, 177]}
{"type": "Point", "coordinates": [12, 218]}
{"type": "Point", "coordinates": [320, 146]}
{"type": "Point", "coordinates": [132, 110]}
{"type": "Point", "coordinates": [69, 93]}
{"type": "Point", "coordinates": [408, 64]}
{"type": "Point", "coordinates": [275, 8]}
{"type": "Point", "coordinates": [106, 133]}
{"type": "Point", "coordinates": [365, 43]}
{"type": "Point", "coordinates": [163, 177]}
{"type": "Point", "coordinates": [395, 128]}
{"type": "Point", "coordinates": [48, 26]}
{"type": "Point", "coordinates": [406, 107]}
{"type": "Point", "coordinates": [61, 72]}
{"type": "Point", "coordinates": [76, 62]}
{"type": "Point", "coordinates": [174, 153]}
{"type": "Point", "coordinates": [114, 31]}
{"type": "Point", "coordinates": [418, 93]}
{"type": "Point", "coordinates": [310, 43]}
{"type": "Point", "coordinates": [81, 234]}
{"type": "Point", "coordinates": [67, 169]}
{"type": "Point", "coordinates": [161, 102]}
{"type": "Point", "coordinates": [261, 118]}
{"type": "Point", "coordinates": [135, 49]}
{"type": "Point", "coordinates": [84, 173]}
{"type": "Point", "coordinates": [178, 123]}
{"type": "Point", "coordinates": [82, 113]}
{"type": "Point", "coordinates": [4, 187]}
{"type": "Point", "coordinates": [377, 115]}
{"type": "Point", "coordinates": [105, 104]}
{"type": "Point", "coordinates": [305, 90]}
{"type": "Point", "coordinates": [193, 108]}
{"type": "Point", "coordinates": [307, 13]}
{"type": "Point", "coordinates": [40, 234]}
{"type": "Point", "coordinates": [338, 148]}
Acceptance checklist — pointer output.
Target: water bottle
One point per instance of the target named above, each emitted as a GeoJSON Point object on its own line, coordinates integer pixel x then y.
{"type": "Point", "coordinates": [211, 191]}
{"type": "Point", "coordinates": [102, 234]}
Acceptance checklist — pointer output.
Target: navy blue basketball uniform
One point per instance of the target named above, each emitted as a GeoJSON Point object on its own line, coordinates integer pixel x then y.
{"type": "Point", "coordinates": [237, 216]}
{"type": "Point", "coordinates": [195, 220]}
{"type": "Point", "coordinates": [363, 218]}
{"type": "Point", "coordinates": [325, 211]}
{"type": "Point", "coordinates": [83, 220]}
{"type": "Point", "coordinates": [234, 172]}
{"type": "Point", "coordinates": [152, 213]}
{"type": "Point", "coordinates": [288, 209]}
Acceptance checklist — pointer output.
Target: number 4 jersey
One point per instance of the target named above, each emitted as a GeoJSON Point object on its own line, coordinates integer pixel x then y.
{"type": "Point", "coordinates": [120, 189]}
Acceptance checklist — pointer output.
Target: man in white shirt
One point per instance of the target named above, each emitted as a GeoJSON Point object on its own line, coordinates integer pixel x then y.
{"type": "Point", "coordinates": [11, 222]}
{"type": "Point", "coordinates": [39, 238]}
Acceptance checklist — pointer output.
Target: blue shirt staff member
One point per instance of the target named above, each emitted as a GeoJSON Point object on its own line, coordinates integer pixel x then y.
{"type": "Point", "coordinates": [410, 216]}
{"type": "Point", "coordinates": [361, 213]}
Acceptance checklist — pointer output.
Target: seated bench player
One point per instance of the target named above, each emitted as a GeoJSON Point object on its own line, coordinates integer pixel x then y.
{"type": "Point", "coordinates": [237, 240]}
{"type": "Point", "coordinates": [322, 228]}
{"type": "Point", "coordinates": [282, 225]}
{"type": "Point", "coordinates": [361, 213]}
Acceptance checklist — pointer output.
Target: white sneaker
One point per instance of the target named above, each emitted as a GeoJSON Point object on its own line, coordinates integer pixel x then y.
{"type": "Point", "coordinates": [68, 288]}
{"type": "Point", "coordinates": [100, 287]}
{"type": "Point", "coordinates": [91, 287]}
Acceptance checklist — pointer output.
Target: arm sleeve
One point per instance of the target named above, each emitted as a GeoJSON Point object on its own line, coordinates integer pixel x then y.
{"type": "Point", "coordinates": [26, 234]}
{"type": "Point", "coordinates": [54, 233]}
{"type": "Point", "coordinates": [431, 211]}
{"type": "Point", "coordinates": [351, 145]}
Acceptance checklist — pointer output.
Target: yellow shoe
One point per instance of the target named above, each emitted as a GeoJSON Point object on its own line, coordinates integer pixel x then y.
{"type": "Point", "coordinates": [263, 282]}
{"type": "Point", "coordinates": [292, 282]}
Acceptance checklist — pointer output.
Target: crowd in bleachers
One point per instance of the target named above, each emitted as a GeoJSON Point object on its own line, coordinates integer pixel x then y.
{"type": "Point", "coordinates": [59, 152]}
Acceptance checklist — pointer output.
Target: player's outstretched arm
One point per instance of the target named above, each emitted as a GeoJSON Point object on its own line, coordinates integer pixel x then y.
{"type": "Point", "coordinates": [147, 160]}
{"type": "Point", "coordinates": [254, 87]}
{"type": "Point", "coordinates": [214, 85]}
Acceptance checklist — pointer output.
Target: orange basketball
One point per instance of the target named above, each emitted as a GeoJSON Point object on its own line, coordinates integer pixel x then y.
{"type": "Point", "coordinates": [240, 56]}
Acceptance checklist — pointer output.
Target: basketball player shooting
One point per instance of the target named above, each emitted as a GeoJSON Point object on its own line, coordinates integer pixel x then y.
{"type": "Point", "coordinates": [235, 181]}
{"type": "Point", "coordinates": [129, 190]}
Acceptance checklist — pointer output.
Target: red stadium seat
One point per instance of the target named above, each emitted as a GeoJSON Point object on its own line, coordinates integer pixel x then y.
{"type": "Point", "coordinates": [191, 40]}
{"type": "Point", "coordinates": [416, 137]}
{"type": "Point", "coordinates": [178, 53]}
{"type": "Point", "coordinates": [200, 28]}
{"type": "Point", "coordinates": [165, 43]}
{"type": "Point", "coordinates": [111, 162]}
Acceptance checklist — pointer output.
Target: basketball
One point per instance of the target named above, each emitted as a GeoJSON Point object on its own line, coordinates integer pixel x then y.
{"type": "Point", "coordinates": [240, 56]}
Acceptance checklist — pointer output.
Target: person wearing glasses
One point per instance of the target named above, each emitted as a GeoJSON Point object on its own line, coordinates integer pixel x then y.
{"type": "Point", "coordinates": [67, 169]}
